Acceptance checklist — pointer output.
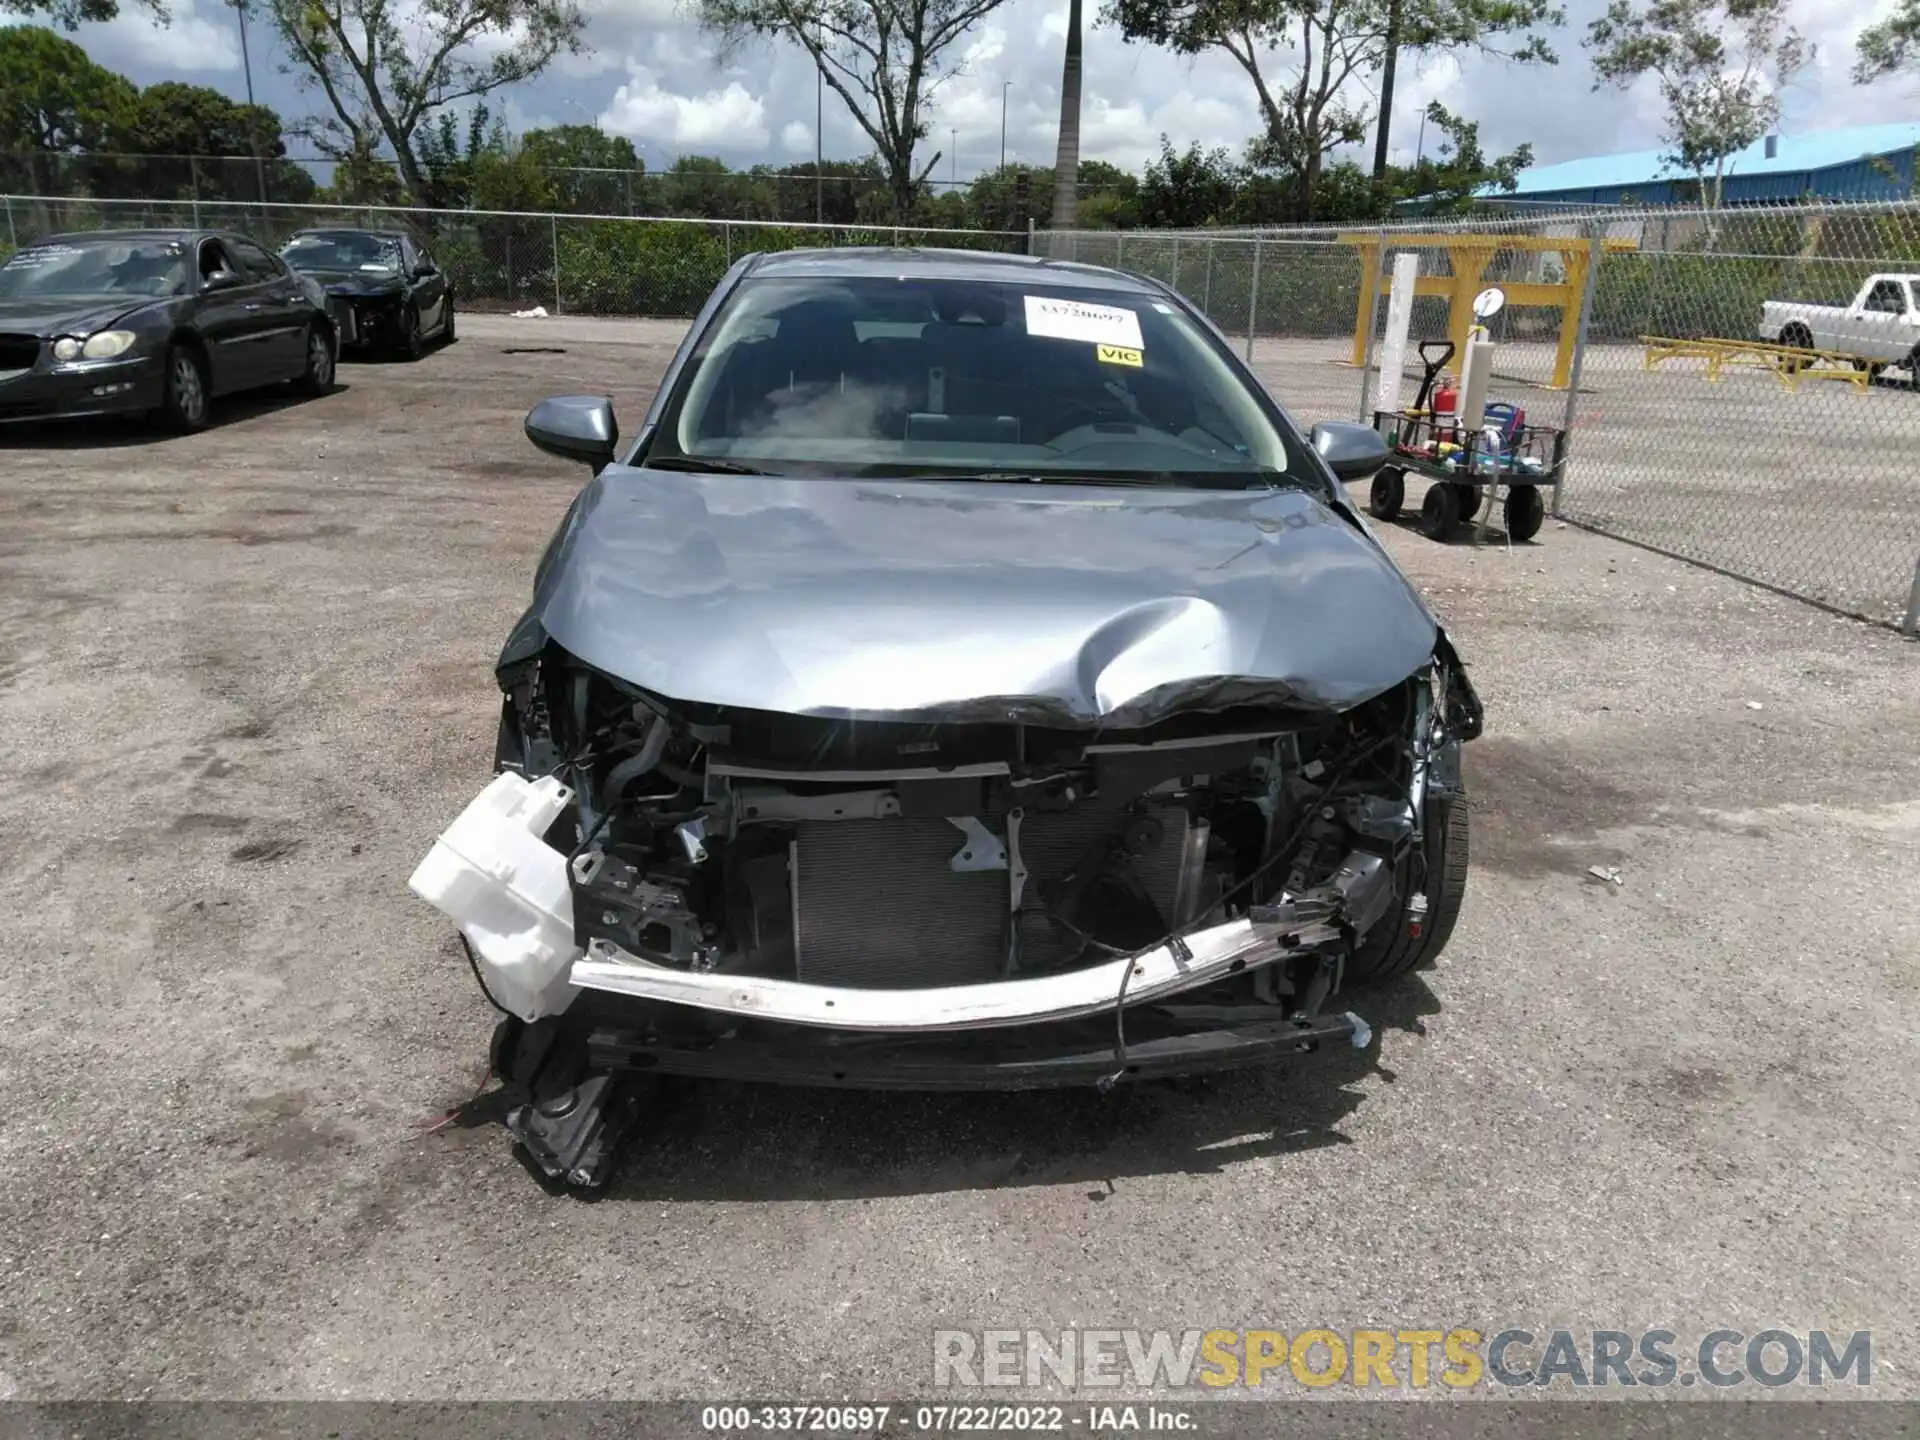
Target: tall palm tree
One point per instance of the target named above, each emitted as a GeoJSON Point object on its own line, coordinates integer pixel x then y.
{"type": "Point", "coordinates": [1066, 160]}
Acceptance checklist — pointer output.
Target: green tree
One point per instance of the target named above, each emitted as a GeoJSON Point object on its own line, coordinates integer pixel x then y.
{"type": "Point", "coordinates": [590, 171]}
{"type": "Point", "coordinates": [451, 150]}
{"type": "Point", "coordinates": [239, 151]}
{"type": "Point", "coordinates": [836, 194]}
{"type": "Point", "coordinates": [1452, 179]}
{"type": "Point", "coordinates": [699, 186]}
{"type": "Point", "coordinates": [1307, 111]}
{"type": "Point", "coordinates": [883, 58]}
{"type": "Point", "coordinates": [387, 69]}
{"type": "Point", "coordinates": [1188, 188]}
{"type": "Point", "coordinates": [1719, 64]}
{"type": "Point", "coordinates": [53, 98]}
{"type": "Point", "coordinates": [69, 14]}
{"type": "Point", "coordinates": [1888, 46]}
{"type": "Point", "coordinates": [55, 103]}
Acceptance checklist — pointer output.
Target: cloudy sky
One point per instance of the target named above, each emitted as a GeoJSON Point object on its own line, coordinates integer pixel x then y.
{"type": "Point", "coordinates": [651, 75]}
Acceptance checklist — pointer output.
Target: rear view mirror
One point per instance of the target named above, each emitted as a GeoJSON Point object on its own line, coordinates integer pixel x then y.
{"type": "Point", "coordinates": [575, 427]}
{"type": "Point", "coordinates": [1352, 452]}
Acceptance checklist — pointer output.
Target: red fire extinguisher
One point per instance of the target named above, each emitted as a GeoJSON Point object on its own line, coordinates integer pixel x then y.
{"type": "Point", "coordinates": [1446, 396]}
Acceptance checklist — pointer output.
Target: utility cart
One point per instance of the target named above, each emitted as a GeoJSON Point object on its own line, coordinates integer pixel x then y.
{"type": "Point", "coordinates": [1468, 469]}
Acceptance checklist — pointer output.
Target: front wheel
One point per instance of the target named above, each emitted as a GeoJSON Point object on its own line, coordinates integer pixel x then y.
{"type": "Point", "coordinates": [1525, 510]}
{"type": "Point", "coordinates": [1402, 941]}
{"type": "Point", "coordinates": [183, 405]}
{"type": "Point", "coordinates": [411, 344]}
{"type": "Point", "coordinates": [447, 336]}
{"type": "Point", "coordinates": [1439, 512]}
{"type": "Point", "coordinates": [317, 377]}
{"type": "Point", "coordinates": [1388, 494]}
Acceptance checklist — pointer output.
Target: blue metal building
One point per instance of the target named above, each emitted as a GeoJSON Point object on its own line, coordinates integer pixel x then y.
{"type": "Point", "coordinates": [1862, 162]}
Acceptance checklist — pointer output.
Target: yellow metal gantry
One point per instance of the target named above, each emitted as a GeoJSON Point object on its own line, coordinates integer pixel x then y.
{"type": "Point", "coordinates": [1469, 258]}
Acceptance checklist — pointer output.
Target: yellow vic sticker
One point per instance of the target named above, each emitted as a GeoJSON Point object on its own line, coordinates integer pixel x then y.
{"type": "Point", "coordinates": [1119, 355]}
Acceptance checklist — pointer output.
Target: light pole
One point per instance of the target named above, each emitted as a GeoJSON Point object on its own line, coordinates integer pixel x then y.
{"type": "Point", "coordinates": [819, 141]}
{"type": "Point", "coordinates": [1005, 85]}
{"type": "Point", "coordinates": [953, 134]}
{"type": "Point", "coordinates": [246, 66]}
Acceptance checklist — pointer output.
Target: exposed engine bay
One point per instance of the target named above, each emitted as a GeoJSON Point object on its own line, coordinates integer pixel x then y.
{"type": "Point", "coordinates": [916, 856]}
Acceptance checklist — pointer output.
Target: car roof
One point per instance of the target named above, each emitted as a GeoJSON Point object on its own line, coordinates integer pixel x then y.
{"type": "Point", "coordinates": [319, 230]}
{"type": "Point", "coordinates": [984, 266]}
{"type": "Point", "coordinates": [78, 237]}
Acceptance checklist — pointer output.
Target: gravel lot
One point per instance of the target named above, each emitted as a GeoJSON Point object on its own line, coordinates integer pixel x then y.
{"type": "Point", "coordinates": [244, 679]}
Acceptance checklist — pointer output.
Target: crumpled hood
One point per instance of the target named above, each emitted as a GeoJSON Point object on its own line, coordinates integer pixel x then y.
{"type": "Point", "coordinates": [51, 318]}
{"type": "Point", "coordinates": [353, 283]}
{"type": "Point", "coordinates": [958, 600]}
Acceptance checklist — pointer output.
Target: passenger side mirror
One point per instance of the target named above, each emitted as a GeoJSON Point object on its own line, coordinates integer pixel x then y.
{"type": "Point", "coordinates": [223, 279]}
{"type": "Point", "coordinates": [575, 427]}
{"type": "Point", "coordinates": [427, 269]}
{"type": "Point", "coordinates": [1352, 452]}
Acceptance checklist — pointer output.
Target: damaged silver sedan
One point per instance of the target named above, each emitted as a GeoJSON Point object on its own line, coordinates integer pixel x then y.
{"type": "Point", "coordinates": [968, 677]}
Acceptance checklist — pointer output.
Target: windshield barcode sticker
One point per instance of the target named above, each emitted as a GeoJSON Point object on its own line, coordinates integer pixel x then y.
{"type": "Point", "coordinates": [1074, 320]}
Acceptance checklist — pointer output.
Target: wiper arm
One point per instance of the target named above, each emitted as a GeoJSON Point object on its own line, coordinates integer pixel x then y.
{"type": "Point", "coordinates": [695, 464]}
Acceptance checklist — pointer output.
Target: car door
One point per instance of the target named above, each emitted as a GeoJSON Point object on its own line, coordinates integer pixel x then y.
{"type": "Point", "coordinates": [226, 313]}
{"type": "Point", "coordinates": [280, 321]}
{"type": "Point", "coordinates": [428, 285]}
{"type": "Point", "coordinates": [1870, 326]}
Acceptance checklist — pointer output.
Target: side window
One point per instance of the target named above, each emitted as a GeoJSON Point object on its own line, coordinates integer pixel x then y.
{"type": "Point", "coordinates": [213, 259]}
{"type": "Point", "coordinates": [255, 264]}
{"type": "Point", "coordinates": [409, 257]}
{"type": "Point", "coordinates": [1887, 298]}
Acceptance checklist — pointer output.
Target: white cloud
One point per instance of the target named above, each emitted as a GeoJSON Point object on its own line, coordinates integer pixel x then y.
{"type": "Point", "coordinates": [193, 44]}
{"type": "Point", "coordinates": [642, 110]}
{"type": "Point", "coordinates": [796, 138]}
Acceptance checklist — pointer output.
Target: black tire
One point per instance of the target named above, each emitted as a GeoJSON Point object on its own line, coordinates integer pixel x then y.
{"type": "Point", "coordinates": [447, 337]}
{"type": "Point", "coordinates": [1388, 494]}
{"type": "Point", "coordinates": [410, 345]}
{"type": "Point", "coordinates": [1389, 950]}
{"type": "Point", "coordinates": [1797, 337]}
{"type": "Point", "coordinates": [186, 402]}
{"type": "Point", "coordinates": [322, 358]}
{"type": "Point", "coordinates": [1525, 510]}
{"type": "Point", "coordinates": [1439, 512]}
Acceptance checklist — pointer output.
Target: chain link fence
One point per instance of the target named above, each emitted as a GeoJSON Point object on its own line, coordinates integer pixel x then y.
{"type": "Point", "coordinates": [567, 264]}
{"type": "Point", "coordinates": [1740, 396]}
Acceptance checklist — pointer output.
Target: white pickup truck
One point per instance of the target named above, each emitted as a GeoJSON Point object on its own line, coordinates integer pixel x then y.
{"type": "Point", "coordinates": [1880, 327]}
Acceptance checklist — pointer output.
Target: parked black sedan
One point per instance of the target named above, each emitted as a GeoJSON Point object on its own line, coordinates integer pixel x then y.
{"type": "Point", "coordinates": [162, 321]}
{"type": "Point", "coordinates": [386, 291]}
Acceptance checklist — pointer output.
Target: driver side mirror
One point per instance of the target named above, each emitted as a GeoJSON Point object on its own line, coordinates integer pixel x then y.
{"type": "Point", "coordinates": [1352, 452]}
{"type": "Point", "coordinates": [223, 280]}
{"type": "Point", "coordinates": [575, 427]}
{"type": "Point", "coordinates": [427, 270]}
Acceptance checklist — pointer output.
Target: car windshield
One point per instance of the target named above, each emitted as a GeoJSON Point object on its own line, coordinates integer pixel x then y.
{"type": "Point", "coordinates": [95, 269]}
{"type": "Point", "coordinates": [342, 252]}
{"type": "Point", "coordinates": [894, 375]}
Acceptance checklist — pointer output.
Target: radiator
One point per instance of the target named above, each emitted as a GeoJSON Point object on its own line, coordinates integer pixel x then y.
{"type": "Point", "coordinates": [877, 906]}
